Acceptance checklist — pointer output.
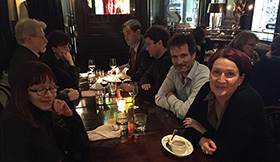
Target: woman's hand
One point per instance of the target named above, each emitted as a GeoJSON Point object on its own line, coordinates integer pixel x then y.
{"type": "Point", "coordinates": [61, 108]}
{"type": "Point", "coordinates": [207, 146]}
{"type": "Point", "coordinates": [192, 123]}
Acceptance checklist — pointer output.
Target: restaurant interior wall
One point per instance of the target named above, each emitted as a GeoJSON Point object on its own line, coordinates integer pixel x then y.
{"type": "Point", "coordinates": [179, 13]}
{"type": "Point", "coordinates": [100, 36]}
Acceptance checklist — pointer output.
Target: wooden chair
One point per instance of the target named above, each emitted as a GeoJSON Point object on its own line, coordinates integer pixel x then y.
{"type": "Point", "coordinates": [272, 114]}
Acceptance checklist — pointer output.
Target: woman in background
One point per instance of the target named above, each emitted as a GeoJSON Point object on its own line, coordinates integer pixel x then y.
{"type": "Point", "coordinates": [226, 118]}
{"type": "Point", "coordinates": [246, 41]}
{"type": "Point", "coordinates": [265, 76]}
{"type": "Point", "coordinates": [28, 128]}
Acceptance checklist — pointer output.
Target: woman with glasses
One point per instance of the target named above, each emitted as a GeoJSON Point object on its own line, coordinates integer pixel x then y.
{"type": "Point", "coordinates": [29, 130]}
{"type": "Point", "coordinates": [246, 41]}
{"type": "Point", "coordinates": [226, 118]}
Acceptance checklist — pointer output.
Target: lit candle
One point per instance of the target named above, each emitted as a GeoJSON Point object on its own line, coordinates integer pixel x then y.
{"type": "Point", "coordinates": [121, 104]}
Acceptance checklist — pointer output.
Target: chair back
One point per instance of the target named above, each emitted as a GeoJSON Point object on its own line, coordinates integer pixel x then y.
{"type": "Point", "coordinates": [272, 114]}
{"type": "Point", "coordinates": [5, 92]}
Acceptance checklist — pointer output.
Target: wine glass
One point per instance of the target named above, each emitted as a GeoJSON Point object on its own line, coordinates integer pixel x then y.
{"type": "Point", "coordinates": [104, 84]}
{"type": "Point", "coordinates": [133, 90]}
{"type": "Point", "coordinates": [91, 65]}
{"type": "Point", "coordinates": [122, 76]}
{"type": "Point", "coordinates": [113, 63]}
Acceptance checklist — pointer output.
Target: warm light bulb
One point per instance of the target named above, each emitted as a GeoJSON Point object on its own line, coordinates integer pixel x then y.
{"type": "Point", "coordinates": [121, 104]}
{"type": "Point", "coordinates": [250, 7]}
{"type": "Point", "coordinates": [228, 7]}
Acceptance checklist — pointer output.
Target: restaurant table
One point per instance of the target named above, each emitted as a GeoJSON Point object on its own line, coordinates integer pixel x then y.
{"type": "Point", "coordinates": [160, 122]}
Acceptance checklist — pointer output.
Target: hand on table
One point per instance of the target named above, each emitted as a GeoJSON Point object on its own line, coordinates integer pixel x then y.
{"type": "Point", "coordinates": [207, 146]}
{"type": "Point", "coordinates": [192, 123]}
{"type": "Point", "coordinates": [146, 86]}
{"type": "Point", "coordinates": [61, 108]}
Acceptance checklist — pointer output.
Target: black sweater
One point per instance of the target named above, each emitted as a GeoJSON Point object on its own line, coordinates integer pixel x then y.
{"type": "Point", "coordinates": [22, 142]}
{"type": "Point", "coordinates": [243, 134]}
{"type": "Point", "coordinates": [67, 76]}
{"type": "Point", "coordinates": [156, 74]}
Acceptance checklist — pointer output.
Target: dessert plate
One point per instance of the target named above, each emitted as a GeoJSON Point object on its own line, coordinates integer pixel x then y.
{"type": "Point", "coordinates": [167, 138]}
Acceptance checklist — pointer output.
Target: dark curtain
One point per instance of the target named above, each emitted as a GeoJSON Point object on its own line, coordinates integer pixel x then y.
{"type": "Point", "coordinates": [7, 39]}
{"type": "Point", "coordinates": [203, 16]}
{"type": "Point", "coordinates": [48, 11]}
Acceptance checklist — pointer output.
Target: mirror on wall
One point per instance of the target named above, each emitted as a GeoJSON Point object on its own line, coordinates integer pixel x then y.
{"type": "Point", "coordinates": [110, 10]}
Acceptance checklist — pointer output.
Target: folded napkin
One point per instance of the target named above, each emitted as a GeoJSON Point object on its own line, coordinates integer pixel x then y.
{"type": "Point", "coordinates": [106, 131]}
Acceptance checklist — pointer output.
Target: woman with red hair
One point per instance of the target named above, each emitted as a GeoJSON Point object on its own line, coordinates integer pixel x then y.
{"type": "Point", "coordinates": [226, 118]}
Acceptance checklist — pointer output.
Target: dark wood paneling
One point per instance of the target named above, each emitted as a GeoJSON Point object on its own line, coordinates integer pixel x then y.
{"type": "Point", "coordinates": [102, 48]}
{"type": "Point", "coordinates": [100, 37]}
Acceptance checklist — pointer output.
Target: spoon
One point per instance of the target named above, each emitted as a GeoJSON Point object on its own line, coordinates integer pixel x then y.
{"type": "Point", "coordinates": [168, 143]}
{"type": "Point", "coordinates": [173, 134]}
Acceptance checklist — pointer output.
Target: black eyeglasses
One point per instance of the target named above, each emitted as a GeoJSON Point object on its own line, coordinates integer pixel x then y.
{"type": "Point", "coordinates": [43, 91]}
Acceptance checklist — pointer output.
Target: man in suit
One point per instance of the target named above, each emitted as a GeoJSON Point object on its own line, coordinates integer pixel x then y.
{"type": "Point", "coordinates": [140, 60]}
{"type": "Point", "coordinates": [31, 39]}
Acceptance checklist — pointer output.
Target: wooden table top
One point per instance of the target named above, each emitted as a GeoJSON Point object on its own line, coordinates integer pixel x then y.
{"type": "Point", "coordinates": [160, 123]}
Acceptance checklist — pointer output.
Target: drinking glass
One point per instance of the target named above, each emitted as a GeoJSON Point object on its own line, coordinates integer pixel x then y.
{"type": "Point", "coordinates": [122, 76]}
{"type": "Point", "coordinates": [113, 88]}
{"type": "Point", "coordinates": [99, 73]}
{"type": "Point", "coordinates": [91, 64]}
{"type": "Point", "coordinates": [113, 63]}
{"type": "Point", "coordinates": [104, 85]}
{"type": "Point", "coordinates": [100, 97]}
{"type": "Point", "coordinates": [121, 120]}
{"type": "Point", "coordinates": [133, 90]}
{"type": "Point", "coordinates": [140, 120]}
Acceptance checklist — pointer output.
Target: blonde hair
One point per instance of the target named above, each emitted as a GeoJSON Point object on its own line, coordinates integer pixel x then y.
{"type": "Point", "coordinates": [27, 27]}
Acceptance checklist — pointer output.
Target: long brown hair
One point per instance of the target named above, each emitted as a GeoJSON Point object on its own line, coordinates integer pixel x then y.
{"type": "Point", "coordinates": [30, 73]}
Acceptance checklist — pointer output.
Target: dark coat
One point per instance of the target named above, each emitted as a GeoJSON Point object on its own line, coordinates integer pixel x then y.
{"type": "Point", "coordinates": [143, 61]}
{"type": "Point", "coordinates": [66, 76]}
{"type": "Point", "coordinates": [20, 56]}
{"type": "Point", "coordinates": [243, 134]}
{"type": "Point", "coordinates": [265, 78]}
{"type": "Point", "coordinates": [19, 141]}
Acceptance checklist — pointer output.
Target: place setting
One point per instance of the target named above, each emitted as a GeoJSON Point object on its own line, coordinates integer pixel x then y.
{"type": "Point", "coordinates": [177, 145]}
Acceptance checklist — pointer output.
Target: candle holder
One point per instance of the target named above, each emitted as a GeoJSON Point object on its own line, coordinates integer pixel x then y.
{"type": "Point", "coordinates": [121, 104]}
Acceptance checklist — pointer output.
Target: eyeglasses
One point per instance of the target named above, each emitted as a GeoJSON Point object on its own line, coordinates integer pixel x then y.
{"type": "Point", "coordinates": [43, 91]}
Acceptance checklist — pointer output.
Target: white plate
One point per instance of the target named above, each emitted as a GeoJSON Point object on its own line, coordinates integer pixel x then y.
{"type": "Point", "coordinates": [84, 75]}
{"type": "Point", "coordinates": [189, 149]}
{"type": "Point", "coordinates": [115, 79]}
